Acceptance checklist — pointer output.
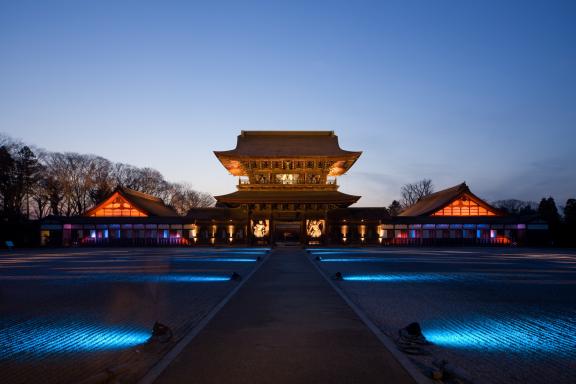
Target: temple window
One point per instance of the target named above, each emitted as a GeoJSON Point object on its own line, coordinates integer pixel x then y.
{"type": "Point", "coordinates": [118, 207]}
{"type": "Point", "coordinates": [464, 207]}
{"type": "Point", "coordinates": [287, 178]}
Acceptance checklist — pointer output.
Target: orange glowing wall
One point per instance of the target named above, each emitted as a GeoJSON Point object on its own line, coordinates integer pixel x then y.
{"type": "Point", "coordinates": [464, 207]}
{"type": "Point", "coordinates": [117, 206]}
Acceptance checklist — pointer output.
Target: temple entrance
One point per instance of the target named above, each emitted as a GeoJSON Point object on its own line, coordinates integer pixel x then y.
{"type": "Point", "coordinates": [287, 232]}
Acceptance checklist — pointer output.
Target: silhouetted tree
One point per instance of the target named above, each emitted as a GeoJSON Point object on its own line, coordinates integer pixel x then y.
{"type": "Point", "coordinates": [570, 212]}
{"type": "Point", "coordinates": [413, 192]}
{"type": "Point", "coordinates": [394, 208]}
{"type": "Point", "coordinates": [182, 198]}
{"type": "Point", "coordinates": [516, 207]}
{"type": "Point", "coordinates": [70, 183]}
{"type": "Point", "coordinates": [7, 182]}
{"type": "Point", "coordinates": [548, 212]}
{"type": "Point", "coordinates": [27, 173]}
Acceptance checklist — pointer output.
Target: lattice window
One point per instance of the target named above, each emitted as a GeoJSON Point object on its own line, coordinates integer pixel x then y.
{"type": "Point", "coordinates": [118, 206]}
{"type": "Point", "coordinates": [464, 207]}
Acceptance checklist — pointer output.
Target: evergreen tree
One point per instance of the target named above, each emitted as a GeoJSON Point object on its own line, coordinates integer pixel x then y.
{"type": "Point", "coordinates": [548, 211]}
{"type": "Point", "coordinates": [27, 170]}
{"type": "Point", "coordinates": [395, 208]}
{"type": "Point", "coordinates": [570, 212]}
{"type": "Point", "coordinates": [7, 182]}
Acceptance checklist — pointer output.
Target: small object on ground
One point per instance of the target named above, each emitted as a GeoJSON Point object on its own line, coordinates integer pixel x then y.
{"type": "Point", "coordinates": [161, 332]}
{"type": "Point", "coordinates": [411, 340]}
{"type": "Point", "coordinates": [412, 334]}
{"type": "Point", "coordinates": [337, 276]}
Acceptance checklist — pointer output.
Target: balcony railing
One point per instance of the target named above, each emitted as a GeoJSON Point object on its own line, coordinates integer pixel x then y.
{"type": "Point", "coordinates": [285, 182]}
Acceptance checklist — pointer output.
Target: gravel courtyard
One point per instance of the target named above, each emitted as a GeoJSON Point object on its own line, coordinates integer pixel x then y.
{"type": "Point", "coordinates": [70, 314]}
{"type": "Point", "coordinates": [499, 315]}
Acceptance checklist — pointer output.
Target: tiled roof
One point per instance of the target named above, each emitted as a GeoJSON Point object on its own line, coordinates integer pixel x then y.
{"type": "Point", "coordinates": [288, 197]}
{"type": "Point", "coordinates": [150, 205]}
{"type": "Point", "coordinates": [270, 144]}
{"type": "Point", "coordinates": [438, 200]}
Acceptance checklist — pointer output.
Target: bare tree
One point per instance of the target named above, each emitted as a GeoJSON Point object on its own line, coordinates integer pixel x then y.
{"type": "Point", "coordinates": [66, 184]}
{"type": "Point", "coordinates": [182, 197]}
{"type": "Point", "coordinates": [413, 192]}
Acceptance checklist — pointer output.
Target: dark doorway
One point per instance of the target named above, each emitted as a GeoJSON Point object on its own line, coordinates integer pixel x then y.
{"type": "Point", "coordinates": [287, 232]}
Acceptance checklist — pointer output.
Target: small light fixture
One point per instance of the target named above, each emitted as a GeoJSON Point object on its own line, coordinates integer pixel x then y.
{"type": "Point", "coordinates": [337, 276]}
{"type": "Point", "coordinates": [235, 276]}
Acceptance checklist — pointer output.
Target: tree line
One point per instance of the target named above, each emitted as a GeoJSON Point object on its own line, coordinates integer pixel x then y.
{"type": "Point", "coordinates": [36, 183]}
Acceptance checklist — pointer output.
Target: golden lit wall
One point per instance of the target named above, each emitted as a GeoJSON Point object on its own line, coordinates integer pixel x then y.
{"type": "Point", "coordinates": [464, 207]}
{"type": "Point", "coordinates": [118, 207]}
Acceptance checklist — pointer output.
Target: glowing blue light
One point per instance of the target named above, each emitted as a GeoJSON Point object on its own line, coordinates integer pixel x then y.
{"type": "Point", "coordinates": [353, 260]}
{"type": "Point", "coordinates": [189, 278]}
{"type": "Point", "coordinates": [219, 259]}
{"type": "Point", "coordinates": [168, 278]}
{"type": "Point", "coordinates": [400, 277]}
{"type": "Point", "coordinates": [520, 334]}
{"type": "Point", "coordinates": [37, 338]}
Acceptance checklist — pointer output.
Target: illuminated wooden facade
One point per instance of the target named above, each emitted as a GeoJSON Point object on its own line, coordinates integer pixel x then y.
{"type": "Point", "coordinates": [287, 191]}
{"type": "Point", "coordinates": [116, 206]}
{"type": "Point", "coordinates": [287, 182]}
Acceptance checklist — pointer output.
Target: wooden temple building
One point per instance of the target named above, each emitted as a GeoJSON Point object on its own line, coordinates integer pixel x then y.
{"type": "Point", "coordinates": [288, 192]}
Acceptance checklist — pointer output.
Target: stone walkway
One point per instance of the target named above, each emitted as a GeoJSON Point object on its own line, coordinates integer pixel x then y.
{"type": "Point", "coordinates": [286, 325]}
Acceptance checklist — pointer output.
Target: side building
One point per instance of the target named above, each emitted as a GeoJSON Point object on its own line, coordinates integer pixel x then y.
{"type": "Point", "coordinates": [287, 191]}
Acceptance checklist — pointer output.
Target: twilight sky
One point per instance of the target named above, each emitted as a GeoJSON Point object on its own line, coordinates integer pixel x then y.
{"type": "Point", "coordinates": [453, 90]}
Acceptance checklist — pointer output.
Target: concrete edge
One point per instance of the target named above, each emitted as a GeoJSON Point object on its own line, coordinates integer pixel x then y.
{"type": "Point", "coordinates": [157, 369]}
{"type": "Point", "coordinates": [404, 361]}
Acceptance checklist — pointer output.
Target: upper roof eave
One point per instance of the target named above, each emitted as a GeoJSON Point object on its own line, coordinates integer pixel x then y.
{"type": "Point", "coordinates": [282, 144]}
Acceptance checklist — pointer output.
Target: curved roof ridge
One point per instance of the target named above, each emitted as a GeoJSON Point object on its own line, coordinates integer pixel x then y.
{"type": "Point", "coordinates": [139, 194]}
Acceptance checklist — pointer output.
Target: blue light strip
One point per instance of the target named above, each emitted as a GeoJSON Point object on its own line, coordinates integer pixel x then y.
{"type": "Point", "coordinates": [36, 338]}
{"type": "Point", "coordinates": [400, 277]}
{"type": "Point", "coordinates": [354, 260]}
{"type": "Point", "coordinates": [187, 278]}
{"type": "Point", "coordinates": [521, 334]}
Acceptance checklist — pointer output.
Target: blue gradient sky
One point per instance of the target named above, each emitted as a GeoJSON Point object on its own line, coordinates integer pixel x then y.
{"type": "Point", "coordinates": [454, 90]}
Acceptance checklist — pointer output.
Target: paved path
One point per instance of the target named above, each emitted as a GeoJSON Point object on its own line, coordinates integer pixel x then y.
{"type": "Point", "coordinates": [286, 325]}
